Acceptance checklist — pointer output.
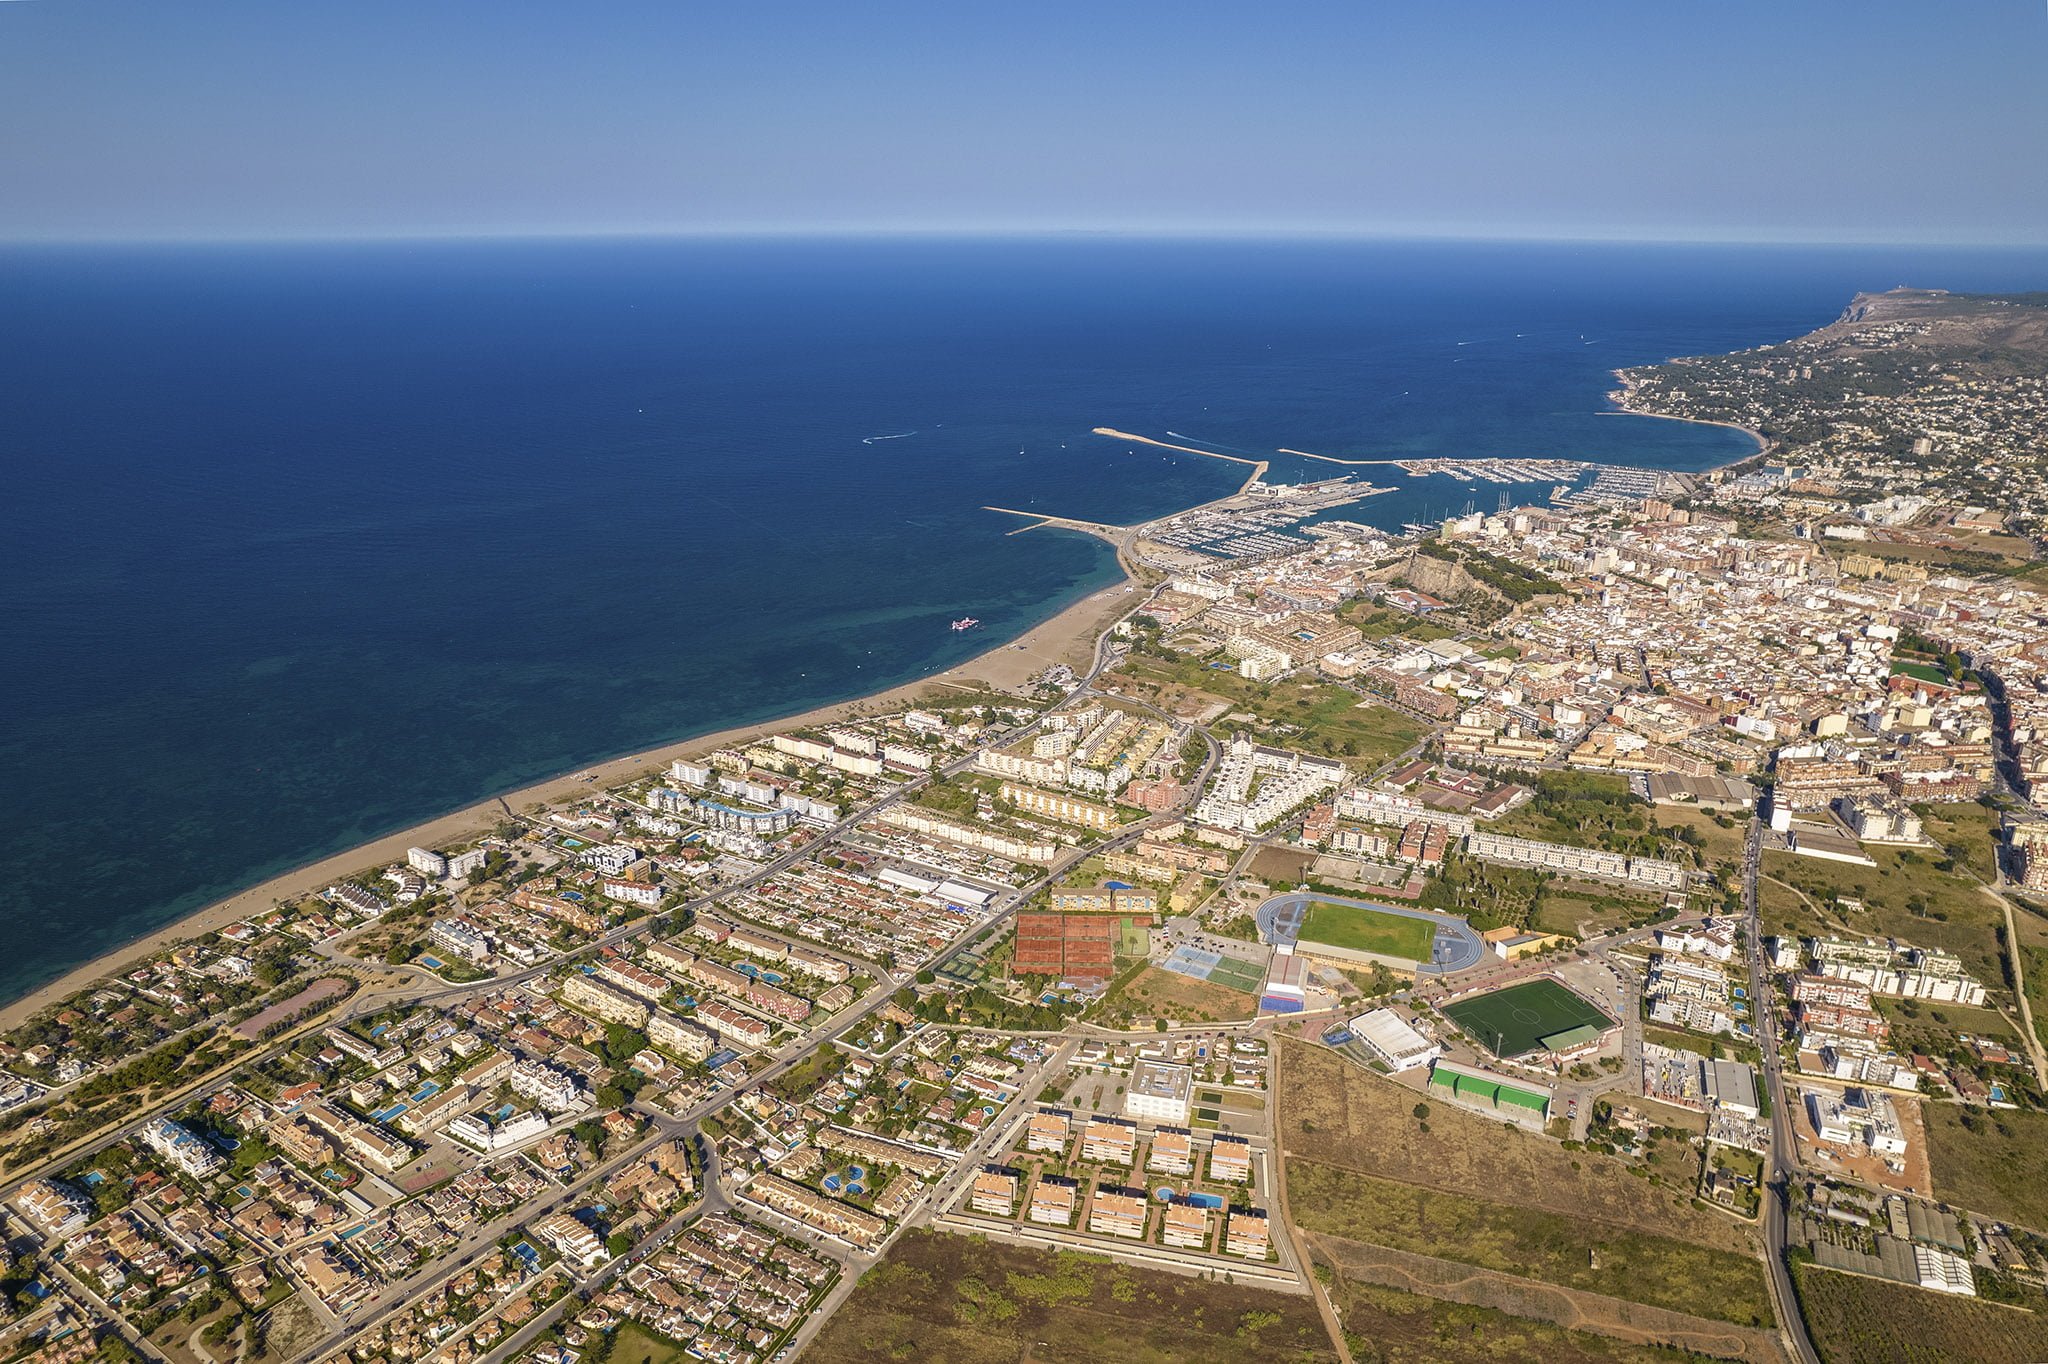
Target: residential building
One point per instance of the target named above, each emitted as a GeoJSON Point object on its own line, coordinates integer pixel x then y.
{"type": "Point", "coordinates": [1172, 1152]}
{"type": "Point", "coordinates": [180, 1147]}
{"type": "Point", "coordinates": [1230, 1160]}
{"type": "Point", "coordinates": [1186, 1225]}
{"type": "Point", "coordinates": [857, 1226]}
{"type": "Point", "coordinates": [607, 1005]}
{"type": "Point", "coordinates": [1110, 1141]}
{"type": "Point", "coordinates": [1159, 1090]}
{"type": "Point", "coordinates": [1048, 1130]}
{"type": "Point", "coordinates": [1052, 1201]}
{"type": "Point", "coordinates": [1117, 1211]}
{"type": "Point", "coordinates": [1247, 1233]}
{"type": "Point", "coordinates": [995, 1192]}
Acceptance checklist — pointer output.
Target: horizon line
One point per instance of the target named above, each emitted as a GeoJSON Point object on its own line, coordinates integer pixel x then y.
{"type": "Point", "coordinates": [995, 233]}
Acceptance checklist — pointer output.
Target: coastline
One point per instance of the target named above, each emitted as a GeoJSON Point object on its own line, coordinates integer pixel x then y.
{"type": "Point", "coordinates": [1068, 636]}
{"type": "Point", "coordinates": [1622, 409]}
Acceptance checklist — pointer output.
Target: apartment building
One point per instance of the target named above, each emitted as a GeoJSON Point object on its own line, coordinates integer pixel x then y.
{"type": "Point", "coordinates": [994, 1192]}
{"type": "Point", "coordinates": [1172, 1152]}
{"type": "Point", "coordinates": [1230, 1160]}
{"type": "Point", "coordinates": [1247, 1233]}
{"type": "Point", "coordinates": [1056, 805]}
{"type": "Point", "coordinates": [691, 1041]}
{"type": "Point", "coordinates": [1052, 1201]}
{"type": "Point", "coordinates": [1108, 1140]}
{"type": "Point", "coordinates": [1048, 1130]}
{"type": "Point", "coordinates": [1185, 1224]}
{"type": "Point", "coordinates": [854, 1225]}
{"type": "Point", "coordinates": [733, 1026]}
{"type": "Point", "coordinates": [1116, 1211]}
{"type": "Point", "coordinates": [585, 995]}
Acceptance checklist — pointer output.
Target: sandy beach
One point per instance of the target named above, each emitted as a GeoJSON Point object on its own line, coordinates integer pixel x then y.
{"type": "Point", "coordinates": [1068, 637]}
{"type": "Point", "coordinates": [1627, 391]}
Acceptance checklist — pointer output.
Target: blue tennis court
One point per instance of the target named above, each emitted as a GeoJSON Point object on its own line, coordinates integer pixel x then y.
{"type": "Point", "coordinates": [1192, 961]}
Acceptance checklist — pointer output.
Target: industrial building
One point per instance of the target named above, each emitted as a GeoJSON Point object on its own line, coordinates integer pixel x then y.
{"type": "Point", "coordinates": [1390, 1038]}
{"type": "Point", "coordinates": [1476, 1089]}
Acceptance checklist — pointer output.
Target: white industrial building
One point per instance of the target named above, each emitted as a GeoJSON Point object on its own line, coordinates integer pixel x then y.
{"type": "Point", "coordinates": [1393, 1040]}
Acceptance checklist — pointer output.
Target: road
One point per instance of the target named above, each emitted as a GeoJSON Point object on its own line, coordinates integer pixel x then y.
{"type": "Point", "coordinates": [1782, 1163]}
{"type": "Point", "coordinates": [401, 1295]}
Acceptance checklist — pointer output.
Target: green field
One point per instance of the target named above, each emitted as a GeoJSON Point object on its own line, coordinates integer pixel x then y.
{"type": "Point", "coordinates": [1368, 930]}
{"type": "Point", "coordinates": [1516, 1020]}
{"type": "Point", "coordinates": [1237, 974]}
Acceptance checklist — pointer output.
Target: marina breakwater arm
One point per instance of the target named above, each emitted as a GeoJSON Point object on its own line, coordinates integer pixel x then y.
{"type": "Point", "coordinates": [1259, 466]}
{"type": "Point", "coordinates": [1332, 459]}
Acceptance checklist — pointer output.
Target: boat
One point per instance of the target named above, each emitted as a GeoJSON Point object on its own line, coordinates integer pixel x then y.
{"type": "Point", "coordinates": [965, 623]}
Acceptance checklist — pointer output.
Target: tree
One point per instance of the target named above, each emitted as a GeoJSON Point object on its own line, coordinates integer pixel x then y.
{"type": "Point", "coordinates": [1422, 1112]}
{"type": "Point", "coordinates": [621, 1043]}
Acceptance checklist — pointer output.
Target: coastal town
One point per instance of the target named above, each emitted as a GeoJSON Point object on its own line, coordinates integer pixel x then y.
{"type": "Point", "coordinates": [1625, 914]}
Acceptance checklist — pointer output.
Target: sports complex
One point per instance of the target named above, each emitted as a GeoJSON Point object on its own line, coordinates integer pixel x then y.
{"type": "Point", "coordinates": [1335, 929]}
{"type": "Point", "coordinates": [1536, 1015]}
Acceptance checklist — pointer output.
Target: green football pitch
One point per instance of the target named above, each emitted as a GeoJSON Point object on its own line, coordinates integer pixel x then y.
{"type": "Point", "coordinates": [1516, 1020]}
{"type": "Point", "coordinates": [1368, 930]}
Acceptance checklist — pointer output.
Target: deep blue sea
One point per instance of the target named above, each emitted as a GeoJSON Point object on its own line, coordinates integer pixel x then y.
{"type": "Point", "coordinates": [300, 545]}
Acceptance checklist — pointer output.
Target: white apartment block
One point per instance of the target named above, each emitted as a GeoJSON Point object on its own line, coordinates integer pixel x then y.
{"type": "Point", "coordinates": [1593, 862]}
{"type": "Point", "coordinates": [1285, 780]}
{"type": "Point", "coordinates": [427, 862]}
{"type": "Point", "coordinates": [552, 1088]}
{"type": "Point", "coordinates": [1903, 972]}
{"type": "Point", "coordinates": [180, 1147]}
{"type": "Point", "coordinates": [1159, 1090]}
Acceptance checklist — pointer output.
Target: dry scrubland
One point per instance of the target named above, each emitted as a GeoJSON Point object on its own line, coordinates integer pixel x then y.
{"type": "Point", "coordinates": [1906, 896]}
{"type": "Point", "coordinates": [1337, 1115]}
{"type": "Point", "coordinates": [1156, 992]}
{"type": "Point", "coordinates": [1387, 1326]}
{"type": "Point", "coordinates": [1854, 1320]}
{"type": "Point", "coordinates": [1554, 1247]}
{"type": "Point", "coordinates": [1991, 1161]}
{"type": "Point", "coordinates": [962, 1300]}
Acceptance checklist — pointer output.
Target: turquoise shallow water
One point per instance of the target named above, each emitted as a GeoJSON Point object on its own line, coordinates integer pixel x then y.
{"type": "Point", "coordinates": [302, 545]}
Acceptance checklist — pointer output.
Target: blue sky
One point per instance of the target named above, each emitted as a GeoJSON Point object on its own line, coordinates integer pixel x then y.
{"type": "Point", "coordinates": [1821, 120]}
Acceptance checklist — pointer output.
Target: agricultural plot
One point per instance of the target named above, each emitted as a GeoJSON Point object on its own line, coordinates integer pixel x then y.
{"type": "Point", "coordinates": [1991, 1161]}
{"type": "Point", "coordinates": [1854, 1320]}
{"type": "Point", "coordinates": [1515, 1021]}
